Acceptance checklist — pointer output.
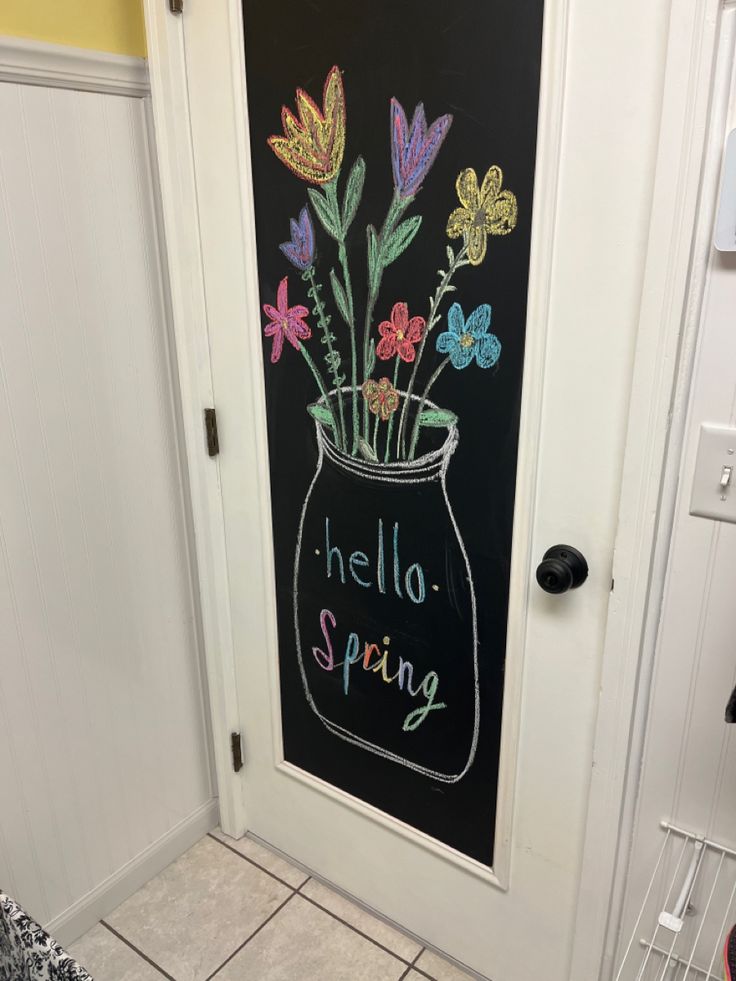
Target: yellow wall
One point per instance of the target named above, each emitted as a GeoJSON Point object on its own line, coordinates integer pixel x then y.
{"type": "Point", "coordinates": [106, 25]}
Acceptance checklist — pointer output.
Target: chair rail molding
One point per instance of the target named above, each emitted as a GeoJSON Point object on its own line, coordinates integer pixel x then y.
{"type": "Point", "coordinates": [62, 66]}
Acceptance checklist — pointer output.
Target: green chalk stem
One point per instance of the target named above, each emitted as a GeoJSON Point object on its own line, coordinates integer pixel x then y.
{"type": "Point", "coordinates": [375, 274]}
{"type": "Point", "coordinates": [320, 381]}
{"type": "Point", "coordinates": [333, 356]}
{"type": "Point", "coordinates": [434, 316]}
{"type": "Point", "coordinates": [417, 425]}
{"type": "Point", "coordinates": [331, 193]}
{"type": "Point", "coordinates": [391, 417]}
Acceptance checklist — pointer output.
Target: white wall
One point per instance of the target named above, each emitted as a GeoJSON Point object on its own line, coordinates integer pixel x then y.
{"type": "Point", "coordinates": [689, 759]}
{"type": "Point", "coordinates": [103, 734]}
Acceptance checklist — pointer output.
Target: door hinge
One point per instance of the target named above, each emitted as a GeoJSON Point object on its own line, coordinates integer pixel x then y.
{"type": "Point", "coordinates": [210, 428]}
{"type": "Point", "coordinates": [176, 6]}
{"type": "Point", "coordinates": [236, 746]}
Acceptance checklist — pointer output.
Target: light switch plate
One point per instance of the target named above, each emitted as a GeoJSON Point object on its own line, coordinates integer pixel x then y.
{"type": "Point", "coordinates": [716, 454]}
{"type": "Point", "coordinates": [725, 231]}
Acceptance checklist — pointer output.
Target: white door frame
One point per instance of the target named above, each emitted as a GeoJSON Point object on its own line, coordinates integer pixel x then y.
{"type": "Point", "coordinates": [636, 593]}
{"type": "Point", "coordinates": [189, 313]}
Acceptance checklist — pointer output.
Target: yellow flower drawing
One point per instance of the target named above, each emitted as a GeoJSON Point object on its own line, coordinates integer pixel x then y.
{"type": "Point", "coordinates": [485, 211]}
{"type": "Point", "coordinates": [313, 145]}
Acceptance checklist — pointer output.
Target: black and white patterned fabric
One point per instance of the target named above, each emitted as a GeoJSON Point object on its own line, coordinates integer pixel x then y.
{"type": "Point", "coordinates": [731, 707]}
{"type": "Point", "coordinates": [28, 953]}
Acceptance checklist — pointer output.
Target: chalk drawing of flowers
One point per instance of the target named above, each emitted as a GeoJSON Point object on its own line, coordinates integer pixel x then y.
{"type": "Point", "coordinates": [414, 148]}
{"type": "Point", "coordinates": [400, 334]}
{"type": "Point", "coordinates": [484, 211]}
{"type": "Point", "coordinates": [312, 146]}
{"type": "Point", "coordinates": [285, 322]}
{"type": "Point", "coordinates": [299, 250]}
{"type": "Point", "coordinates": [468, 340]}
{"type": "Point", "coordinates": [381, 396]}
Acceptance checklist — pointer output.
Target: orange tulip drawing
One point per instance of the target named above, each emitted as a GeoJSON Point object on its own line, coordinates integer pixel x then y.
{"type": "Point", "coordinates": [312, 146]}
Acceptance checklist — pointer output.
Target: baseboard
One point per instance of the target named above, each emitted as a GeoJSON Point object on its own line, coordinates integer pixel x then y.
{"type": "Point", "coordinates": [108, 895]}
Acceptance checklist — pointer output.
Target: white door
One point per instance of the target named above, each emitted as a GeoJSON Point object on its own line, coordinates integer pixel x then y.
{"type": "Point", "coordinates": [512, 916]}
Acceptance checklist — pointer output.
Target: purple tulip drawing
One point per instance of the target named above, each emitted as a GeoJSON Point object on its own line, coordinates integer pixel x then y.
{"type": "Point", "coordinates": [300, 250]}
{"type": "Point", "coordinates": [413, 149]}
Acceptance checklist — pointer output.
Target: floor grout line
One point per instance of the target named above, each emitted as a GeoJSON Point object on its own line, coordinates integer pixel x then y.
{"type": "Point", "coordinates": [413, 963]}
{"type": "Point", "coordinates": [294, 891]}
{"type": "Point", "coordinates": [297, 891]}
{"type": "Point", "coordinates": [253, 862]}
{"type": "Point", "coordinates": [249, 938]}
{"type": "Point", "coordinates": [360, 933]}
{"type": "Point", "coordinates": [138, 951]}
{"type": "Point", "coordinates": [467, 971]}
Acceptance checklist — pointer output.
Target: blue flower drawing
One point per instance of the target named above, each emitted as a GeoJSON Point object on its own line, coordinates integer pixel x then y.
{"type": "Point", "coordinates": [468, 340]}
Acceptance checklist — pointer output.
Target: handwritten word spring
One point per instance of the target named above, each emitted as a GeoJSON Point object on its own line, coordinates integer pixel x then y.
{"type": "Point", "coordinates": [376, 661]}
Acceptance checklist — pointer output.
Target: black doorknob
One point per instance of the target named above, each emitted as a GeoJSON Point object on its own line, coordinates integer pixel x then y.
{"type": "Point", "coordinates": [562, 568]}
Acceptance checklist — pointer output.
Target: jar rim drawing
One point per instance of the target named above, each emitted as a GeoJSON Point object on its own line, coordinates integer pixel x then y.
{"type": "Point", "coordinates": [429, 466]}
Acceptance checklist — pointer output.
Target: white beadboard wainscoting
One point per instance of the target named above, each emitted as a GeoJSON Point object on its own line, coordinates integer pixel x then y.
{"type": "Point", "coordinates": [105, 772]}
{"type": "Point", "coordinates": [685, 763]}
{"type": "Point", "coordinates": [689, 759]}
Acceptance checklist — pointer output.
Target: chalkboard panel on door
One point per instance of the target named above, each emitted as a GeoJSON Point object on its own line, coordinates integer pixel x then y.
{"type": "Point", "coordinates": [393, 149]}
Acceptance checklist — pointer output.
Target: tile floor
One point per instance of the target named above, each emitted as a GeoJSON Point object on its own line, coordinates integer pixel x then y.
{"type": "Point", "coordinates": [235, 911]}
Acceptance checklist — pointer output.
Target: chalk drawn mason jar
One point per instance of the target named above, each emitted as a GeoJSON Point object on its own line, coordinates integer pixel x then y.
{"type": "Point", "coordinates": [384, 609]}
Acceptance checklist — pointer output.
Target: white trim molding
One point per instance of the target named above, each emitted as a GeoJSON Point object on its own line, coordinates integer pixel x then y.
{"type": "Point", "coordinates": [61, 66]}
{"type": "Point", "coordinates": [108, 895]}
{"type": "Point", "coordinates": [181, 221]}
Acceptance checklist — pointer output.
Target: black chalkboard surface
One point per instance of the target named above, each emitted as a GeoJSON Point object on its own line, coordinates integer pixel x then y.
{"type": "Point", "coordinates": [393, 148]}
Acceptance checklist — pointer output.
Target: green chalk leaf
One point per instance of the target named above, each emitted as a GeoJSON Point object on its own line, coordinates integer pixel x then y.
{"type": "Point", "coordinates": [366, 451]}
{"type": "Point", "coordinates": [353, 193]}
{"type": "Point", "coordinates": [401, 239]}
{"type": "Point", "coordinates": [373, 266]}
{"type": "Point", "coordinates": [325, 212]}
{"type": "Point", "coordinates": [340, 297]}
{"type": "Point", "coordinates": [437, 418]}
{"type": "Point", "coordinates": [321, 413]}
{"type": "Point", "coordinates": [371, 363]}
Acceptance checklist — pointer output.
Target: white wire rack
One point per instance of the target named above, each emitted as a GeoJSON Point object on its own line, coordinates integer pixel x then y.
{"type": "Point", "coordinates": [686, 913]}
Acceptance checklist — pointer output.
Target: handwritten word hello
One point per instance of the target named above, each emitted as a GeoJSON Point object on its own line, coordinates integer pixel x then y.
{"type": "Point", "coordinates": [359, 566]}
{"type": "Point", "coordinates": [376, 661]}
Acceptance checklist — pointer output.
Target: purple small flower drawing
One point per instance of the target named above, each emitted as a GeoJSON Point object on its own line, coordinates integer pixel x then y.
{"type": "Point", "coordinates": [413, 149]}
{"type": "Point", "coordinates": [300, 250]}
